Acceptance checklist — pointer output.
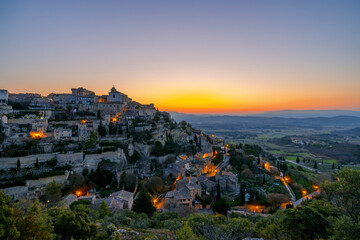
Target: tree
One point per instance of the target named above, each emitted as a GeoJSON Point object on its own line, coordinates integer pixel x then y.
{"type": "Point", "coordinates": [304, 223]}
{"type": "Point", "coordinates": [98, 115]}
{"type": "Point", "coordinates": [333, 166]}
{"type": "Point", "coordinates": [18, 165]}
{"type": "Point", "coordinates": [297, 159]}
{"type": "Point", "coordinates": [154, 184]}
{"type": "Point", "coordinates": [315, 165]}
{"type": "Point", "coordinates": [103, 211]}
{"type": "Point", "coordinates": [90, 143]}
{"type": "Point", "coordinates": [157, 149]}
{"type": "Point", "coordinates": [35, 223]}
{"type": "Point", "coordinates": [127, 130]}
{"type": "Point", "coordinates": [345, 192]}
{"type": "Point", "coordinates": [102, 130]}
{"type": "Point", "coordinates": [37, 163]}
{"type": "Point", "coordinates": [276, 199]}
{"type": "Point", "coordinates": [71, 225]}
{"type": "Point", "coordinates": [247, 173]}
{"type": "Point", "coordinates": [185, 233]}
{"type": "Point", "coordinates": [143, 204]}
{"type": "Point", "coordinates": [135, 157]}
{"type": "Point", "coordinates": [130, 181]}
{"type": "Point", "coordinates": [112, 130]}
{"type": "Point", "coordinates": [218, 191]}
{"type": "Point", "coordinates": [222, 206]}
{"type": "Point", "coordinates": [8, 228]}
{"type": "Point", "coordinates": [76, 181]}
{"type": "Point", "coordinates": [2, 132]}
{"type": "Point", "coordinates": [53, 193]}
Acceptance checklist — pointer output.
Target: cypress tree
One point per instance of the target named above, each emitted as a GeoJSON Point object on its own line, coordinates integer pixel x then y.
{"type": "Point", "coordinates": [218, 191]}
{"type": "Point", "coordinates": [18, 165]}
{"type": "Point", "coordinates": [143, 204]}
{"type": "Point", "coordinates": [103, 211]}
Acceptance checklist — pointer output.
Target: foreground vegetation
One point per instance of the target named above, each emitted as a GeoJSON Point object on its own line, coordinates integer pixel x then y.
{"type": "Point", "coordinates": [335, 215]}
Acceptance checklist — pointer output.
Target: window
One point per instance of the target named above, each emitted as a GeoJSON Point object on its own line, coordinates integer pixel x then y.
{"type": "Point", "coordinates": [113, 95]}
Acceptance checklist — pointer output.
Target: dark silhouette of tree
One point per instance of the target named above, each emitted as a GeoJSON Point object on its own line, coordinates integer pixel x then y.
{"type": "Point", "coordinates": [102, 130]}
{"type": "Point", "coordinates": [218, 191]}
{"type": "Point", "coordinates": [196, 140]}
{"type": "Point", "coordinates": [2, 132]}
{"type": "Point", "coordinates": [37, 163]}
{"type": "Point", "coordinates": [143, 204]}
{"type": "Point", "coordinates": [18, 165]}
{"type": "Point", "coordinates": [222, 206]}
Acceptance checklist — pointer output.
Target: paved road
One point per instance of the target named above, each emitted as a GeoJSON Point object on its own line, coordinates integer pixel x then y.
{"type": "Point", "coordinates": [304, 166]}
{"type": "Point", "coordinates": [307, 197]}
{"type": "Point", "coordinates": [224, 163]}
{"type": "Point", "coordinates": [293, 198]}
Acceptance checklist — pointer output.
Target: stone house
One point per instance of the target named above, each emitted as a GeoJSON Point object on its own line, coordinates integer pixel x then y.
{"type": "Point", "coordinates": [127, 198]}
{"type": "Point", "coordinates": [179, 198]}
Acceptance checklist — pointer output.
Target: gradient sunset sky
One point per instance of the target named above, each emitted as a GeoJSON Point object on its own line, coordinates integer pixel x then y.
{"type": "Point", "coordinates": [188, 56]}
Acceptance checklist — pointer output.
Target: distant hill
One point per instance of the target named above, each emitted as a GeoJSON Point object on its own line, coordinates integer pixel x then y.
{"type": "Point", "coordinates": [349, 132]}
{"type": "Point", "coordinates": [251, 122]}
{"type": "Point", "coordinates": [308, 113]}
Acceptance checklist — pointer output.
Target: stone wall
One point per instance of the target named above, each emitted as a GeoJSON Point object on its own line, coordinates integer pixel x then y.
{"type": "Point", "coordinates": [42, 182]}
{"type": "Point", "coordinates": [69, 158]}
{"type": "Point", "coordinates": [17, 193]}
{"type": "Point", "coordinates": [26, 161]}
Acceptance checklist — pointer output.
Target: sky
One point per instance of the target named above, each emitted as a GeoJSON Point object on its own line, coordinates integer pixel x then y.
{"type": "Point", "coordinates": [187, 56]}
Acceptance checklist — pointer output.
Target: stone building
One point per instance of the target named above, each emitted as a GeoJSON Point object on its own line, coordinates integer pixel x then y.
{"type": "Point", "coordinates": [62, 134]}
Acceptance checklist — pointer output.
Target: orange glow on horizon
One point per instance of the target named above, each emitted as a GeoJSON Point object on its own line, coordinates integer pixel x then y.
{"type": "Point", "coordinates": [228, 99]}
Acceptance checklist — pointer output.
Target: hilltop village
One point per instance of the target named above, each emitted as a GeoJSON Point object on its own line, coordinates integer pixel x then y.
{"type": "Point", "coordinates": [64, 138]}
